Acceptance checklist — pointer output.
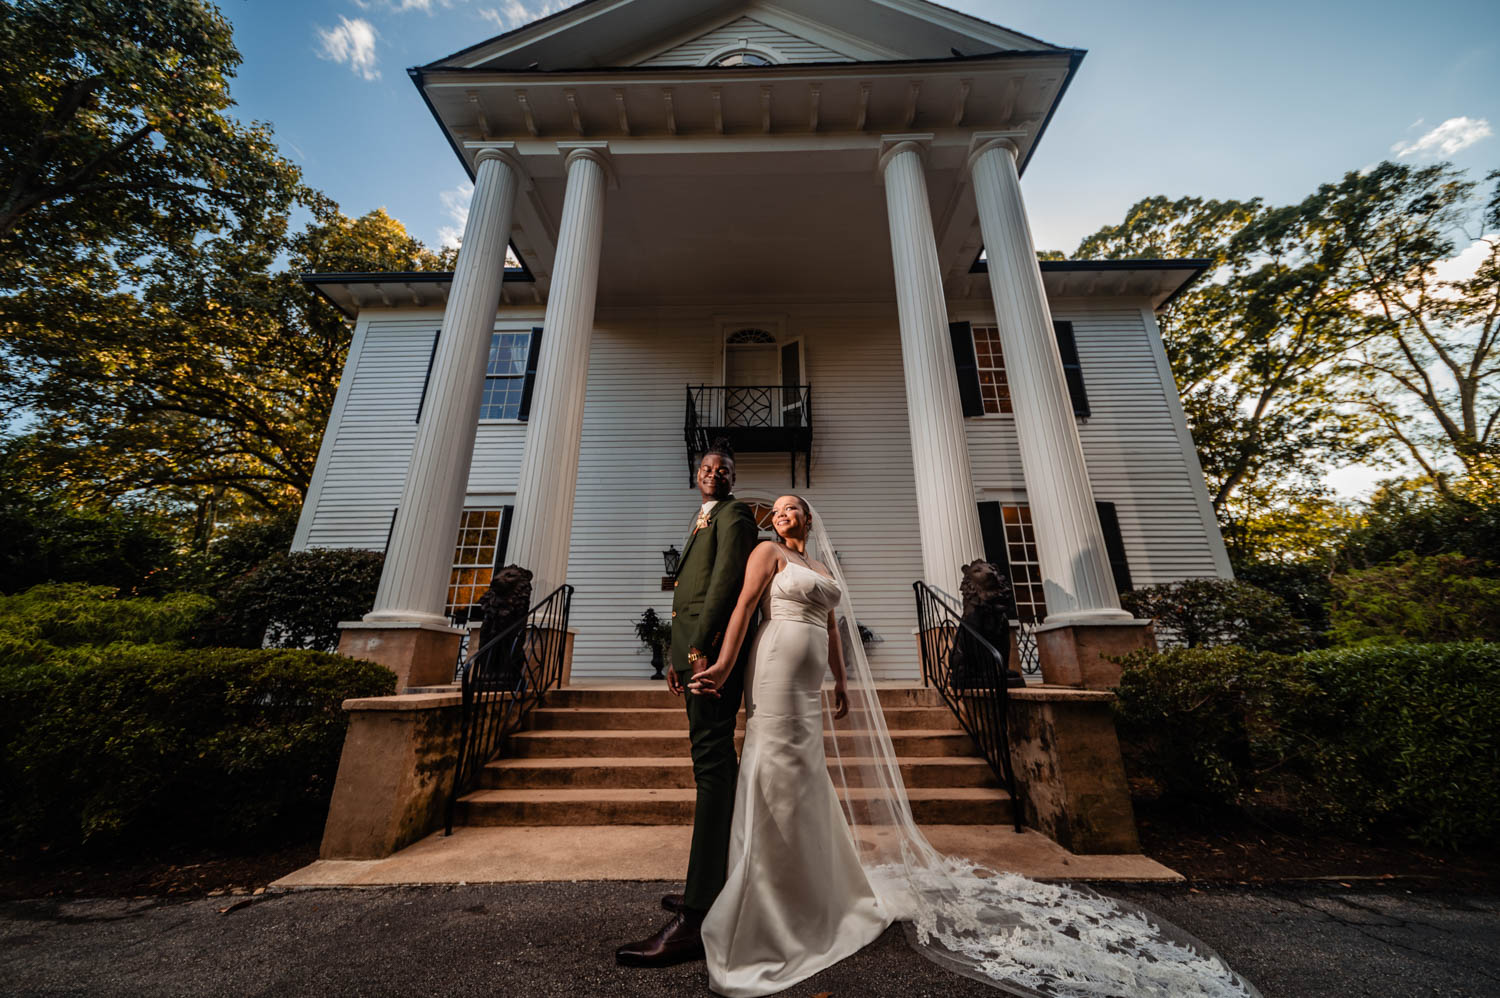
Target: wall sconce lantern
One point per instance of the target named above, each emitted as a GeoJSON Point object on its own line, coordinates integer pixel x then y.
{"type": "Point", "coordinates": [671, 558]}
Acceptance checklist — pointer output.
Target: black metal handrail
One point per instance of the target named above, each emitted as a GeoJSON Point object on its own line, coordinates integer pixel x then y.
{"type": "Point", "coordinates": [502, 681]}
{"type": "Point", "coordinates": [970, 675]}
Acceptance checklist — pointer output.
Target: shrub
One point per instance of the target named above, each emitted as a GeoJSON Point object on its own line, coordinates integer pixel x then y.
{"type": "Point", "coordinates": [1407, 519]}
{"type": "Point", "coordinates": [143, 747]}
{"type": "Point", "coordinates": [1204, 723]}
{"type": "Point", "coordinates": [1356, 739]}
{"type": "Point", "coordinates": [1303, 586]}
{"type": "Point", "coordinates": [1444, 597]}
{"type": "Point", "coordinates": [35, 623]}
{"type": "Point", "coordinates": [45, 540]}
{"type": "Point", "coordinates": [297, 600]}
{"type": "Point", "coordinates": [1205, 612]}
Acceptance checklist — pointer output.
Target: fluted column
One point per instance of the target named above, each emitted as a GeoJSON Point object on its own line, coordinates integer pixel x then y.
{"type": "Point", "coordinates": [947, 517]}
{"type": "Point", "coordinates": [419, 557]}
{"type": "Point", "coordinates": [1075, 567]}
{"type": "Point", "coordinates": [543, 523]}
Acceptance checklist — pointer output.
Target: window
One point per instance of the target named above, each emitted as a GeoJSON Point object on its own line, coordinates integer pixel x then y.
{"type": "Point", "coordinates": [505, 377]}
{"type": "Point", "coordinates": [994, 390]}
{"type": "Point", "coordinates": [742, 58]}
{"type": "Point", "coordinates": [1025, 569]}
{"type": "Point", "coordinates": [482, 537]}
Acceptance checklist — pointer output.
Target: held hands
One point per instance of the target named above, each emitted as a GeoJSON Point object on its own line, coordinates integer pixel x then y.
{"type": "Point", "coordinates": [710, 681]}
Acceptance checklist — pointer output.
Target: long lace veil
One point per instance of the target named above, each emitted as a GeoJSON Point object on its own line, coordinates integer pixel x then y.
{"type": "Point", "coordinates": [1040, 940]}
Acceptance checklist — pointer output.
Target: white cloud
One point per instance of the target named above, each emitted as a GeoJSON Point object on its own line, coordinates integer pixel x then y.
{"type": "Point", "coordinates": [1465, 264]}
{"type": "Point", "coordinates": [401, 6]}
{"type": "Point", "coordinates": [1450, 137]}
{"type": "Point", "coordinates": [511, 14]}
{"type": "Point", "coordinates": [456, 204]}
{"type": "Point", "coordinates": [352, 42]}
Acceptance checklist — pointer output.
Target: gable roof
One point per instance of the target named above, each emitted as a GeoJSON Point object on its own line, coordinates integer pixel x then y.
{"type": "Point", "coordinates": [596, 34]}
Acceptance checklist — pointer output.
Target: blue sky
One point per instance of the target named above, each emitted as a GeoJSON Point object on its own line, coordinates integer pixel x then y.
{"type": "Point", "coordinates": [1213, 99]}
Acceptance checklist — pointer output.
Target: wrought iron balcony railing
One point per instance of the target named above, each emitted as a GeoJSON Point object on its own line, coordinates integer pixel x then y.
{"type": "Point", "coordinates": [754, 419]}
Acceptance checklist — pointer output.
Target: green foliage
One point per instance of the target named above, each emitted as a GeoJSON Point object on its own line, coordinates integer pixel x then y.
{"type": "Point", "coordinates": [139, 747]}
{"type": "Point", "coordinates": [1201, 612]}
{"type": "Point", "coordinates": [1359, 740]}
{"type": "Point", "coordinates": [45, 618]}
{"type": "Point", "coordinates": [297, 600]}
{"type": "Point", "coordinates": [1443, 597]}
{"type": "Point", "coordinates": [1303, 586]}
{"type": "Point", "coordinates": [1424, 521]}
{"type": "Point", "coordinates": [1205, 723]}
{"type": "Point", "coordinates": [1410, 740]}
{"type": "Point", "coordinates": [43, 539]}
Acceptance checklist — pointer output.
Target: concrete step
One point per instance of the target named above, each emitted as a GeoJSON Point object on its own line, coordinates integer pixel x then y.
{"type": "Point", "coordinates": [659, 696]}
{"type": "Point", "coordinates": [676, 772]}
{"type": "Point", "coordinates": [945, 806]}
{"type": "Point", "coordinates": [925, 742]}
{"type": "Point", "coordinates": [675, 718]}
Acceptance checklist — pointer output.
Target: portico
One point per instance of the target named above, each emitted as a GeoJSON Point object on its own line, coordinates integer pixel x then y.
{"type": "Point", "coordinates": [723, 188]}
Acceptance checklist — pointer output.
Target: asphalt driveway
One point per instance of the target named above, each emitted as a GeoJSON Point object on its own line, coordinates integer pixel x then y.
{"type": "Point", "coordinates": [558, 939]}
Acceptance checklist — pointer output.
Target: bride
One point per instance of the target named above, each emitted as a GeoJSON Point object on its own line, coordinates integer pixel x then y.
{"type": "Point", "coordinates": [821, 861]}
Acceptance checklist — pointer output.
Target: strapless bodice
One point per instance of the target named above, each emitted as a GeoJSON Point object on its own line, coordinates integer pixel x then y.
{"type": "Point", "coordinates": [800, 593]}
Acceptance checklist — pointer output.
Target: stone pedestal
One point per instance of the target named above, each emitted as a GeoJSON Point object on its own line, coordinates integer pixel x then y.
{"type": "Point", "coordinates": [394, 775]}
{"type": "Point", "coordinates": [419, 653]}
{"type": "Point", "coordinates": [1069, 770]}
{"type": "Point", "coordinates": [1078, 655]}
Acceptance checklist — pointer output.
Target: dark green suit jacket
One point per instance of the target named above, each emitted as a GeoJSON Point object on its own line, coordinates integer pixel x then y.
{"type": "Point", "coordinates": [709, 578]}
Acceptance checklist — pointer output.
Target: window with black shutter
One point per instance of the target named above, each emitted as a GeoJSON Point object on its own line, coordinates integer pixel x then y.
{"type": "Point", "coordinates": [523, 411]}
{"type": "Point", "coordinates": [1114, 544]}
{"type": "Point", "coordinates": [1067, 348]}
{"type": "Point", "coordinates": [1010, 543]}
{"type": "Point", "coordinates": [968, 370]}
{"type": "Point", "coordinates": [426, 378]}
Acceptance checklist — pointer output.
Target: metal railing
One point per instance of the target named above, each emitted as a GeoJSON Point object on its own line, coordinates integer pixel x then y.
{"type": "Point", "coordinates": [970, 675]}
{"type": "Point", "coordinates": [766, 406]}
{"type": "Point", "coordinates": [501, 681]}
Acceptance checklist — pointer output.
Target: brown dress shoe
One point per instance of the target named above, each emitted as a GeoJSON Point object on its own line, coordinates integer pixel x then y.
{"type": "Point", "coordinates": [675, 903]}
{"type": "Point", "coordinates": [677, 942]}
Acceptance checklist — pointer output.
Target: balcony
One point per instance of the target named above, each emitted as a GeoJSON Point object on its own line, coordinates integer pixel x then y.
{"type": "Point", "coordinates": [755, 419]}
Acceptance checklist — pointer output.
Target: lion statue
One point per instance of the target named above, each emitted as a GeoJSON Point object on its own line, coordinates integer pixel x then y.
{"type": "Point", "coordinates": [986, 594]}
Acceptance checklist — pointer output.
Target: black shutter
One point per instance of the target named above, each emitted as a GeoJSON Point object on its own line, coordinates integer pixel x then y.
{"type": "Point", "coordinates": [524, 412]}
{"type": "Point", "coordinates": [968, 368]}
{"type": "Point", "coordinates": [502, 543]}
{"type": "Point", "coordinates": [1115, 545]}
{"type": "Point", "coordinates": [428, 376]}
{"type": "Point", "coordinates": [1067, 347]}
{"type": "Point", "coordinates": [992, 529]}
{"type": "Point", "coordinates": [389, 531]}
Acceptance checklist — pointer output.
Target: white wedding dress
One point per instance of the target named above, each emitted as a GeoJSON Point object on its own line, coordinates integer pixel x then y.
{"type": "Point", "coordinates": [821, 860]}
{"type": "Point", "coordinates": [796, 899]}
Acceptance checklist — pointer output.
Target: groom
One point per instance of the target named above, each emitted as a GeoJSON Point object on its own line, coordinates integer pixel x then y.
{"type": "Point", "coordinates": [708, 583]}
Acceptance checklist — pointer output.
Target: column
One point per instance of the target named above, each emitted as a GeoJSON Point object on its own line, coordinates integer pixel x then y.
{"type": "Point", "coordinates": [406, 630]}
{"type": "Point", "coordinates": [947, 517]}
{"type": "Point", "coordinates": [1075, 568]}
{"type": "Point", "coordinates": [542, 527]}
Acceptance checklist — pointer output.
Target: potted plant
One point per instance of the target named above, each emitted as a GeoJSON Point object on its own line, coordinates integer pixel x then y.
{"type": "Point", "coordinates": [656, 634]}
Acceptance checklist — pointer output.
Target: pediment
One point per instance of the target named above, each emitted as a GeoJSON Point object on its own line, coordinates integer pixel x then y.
{"type": "Point", "coordinates": [618, 34]}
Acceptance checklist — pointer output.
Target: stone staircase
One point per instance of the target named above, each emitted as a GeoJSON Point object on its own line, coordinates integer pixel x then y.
{"type": "Point", "coordinates": [619, 756]}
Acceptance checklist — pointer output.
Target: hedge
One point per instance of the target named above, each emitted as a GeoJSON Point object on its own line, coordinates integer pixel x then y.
{"type": "Point", "coordinates": [1400, 739]}
{"type": "Point", "coordinates": [142, 747]}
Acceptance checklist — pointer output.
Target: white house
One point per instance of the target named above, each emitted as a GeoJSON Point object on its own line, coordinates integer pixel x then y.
{"type": "Point", "coordinates": [766, 217]}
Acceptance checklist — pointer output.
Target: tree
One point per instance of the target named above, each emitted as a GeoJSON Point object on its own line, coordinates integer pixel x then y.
{"type": "Point", "coordinates": [209, 384]}
{"type": "Point", "coordinates": [113, 138]}
{"type": "Point", "coordinates": [1435, 354]}
{"type": "Point", "coordinates": [1254, 344]}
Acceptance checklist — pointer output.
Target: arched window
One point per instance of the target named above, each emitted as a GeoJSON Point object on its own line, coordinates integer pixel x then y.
{"type": "Point", "coordinates": [742, 57]}
{"type": "Point", "coordinates": [747, 337]}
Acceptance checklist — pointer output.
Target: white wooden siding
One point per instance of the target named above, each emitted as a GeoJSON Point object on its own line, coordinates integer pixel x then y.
{"type": "Point", "coordinates": [633, 493]}
{"type": "Point", "coordinates": [362, 464]}
{"type": "Point", "coordinates": [783, 44]}
{"type": "Point", "coordinates": [1131, 442]}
